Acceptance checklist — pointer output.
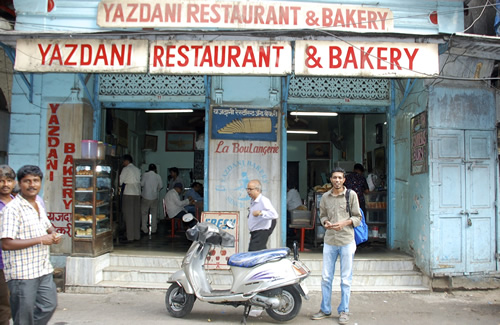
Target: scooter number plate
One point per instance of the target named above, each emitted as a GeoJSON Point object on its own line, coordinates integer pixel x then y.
{"type": "Point", "coordinates": [304, 288]}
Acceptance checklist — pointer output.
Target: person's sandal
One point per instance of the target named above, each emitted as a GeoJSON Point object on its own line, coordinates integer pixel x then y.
{"type": "Point", "coordinates": [319, 315]}
{"type": "Point", "coordinates": [343, 318]}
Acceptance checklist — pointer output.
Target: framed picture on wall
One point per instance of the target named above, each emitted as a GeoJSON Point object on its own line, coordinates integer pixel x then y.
{"type": "Point", "coordinates": [150, 142]}
{"type": "Point", "coordinates": [319, 151]}
{"type": "Point", "coordinates": [180, 140]}
{"type": "Point", "coordinates": [379, 159]}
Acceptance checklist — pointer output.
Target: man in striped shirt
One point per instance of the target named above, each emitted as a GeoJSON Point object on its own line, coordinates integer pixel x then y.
{"type": "Point", "coordinates": [26, 235]}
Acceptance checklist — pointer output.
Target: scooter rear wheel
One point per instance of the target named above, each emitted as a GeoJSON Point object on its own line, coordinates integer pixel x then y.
{"type": "Point", "coordinates": [290, 304]}
{"type": "Point", "coordinates": [178, 302]}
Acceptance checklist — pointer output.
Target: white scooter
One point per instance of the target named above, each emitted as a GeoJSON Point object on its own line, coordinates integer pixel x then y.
{"type": "Point", "coordinates": [269, 278]}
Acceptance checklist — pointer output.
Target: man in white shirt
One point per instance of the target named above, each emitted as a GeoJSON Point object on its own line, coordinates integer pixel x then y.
{"type": "Point", "coordinates": [176, 206]}
{"type": "Point", "coordinates": [151, 184]}
{"type": "Point", "coordinates": [262, 217]}
{"type": "Point", "coordinates": [131, 202]}
{"type": "Point", "coordinates": [293, 199]}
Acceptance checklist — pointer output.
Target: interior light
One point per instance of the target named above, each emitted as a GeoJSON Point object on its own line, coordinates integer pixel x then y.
{"type": "Point", "coordinates": [154, 111]}
{"type": "Point", "coordinates": [301, 132]}
{"type": "Point", "coordinates": [314, 113]}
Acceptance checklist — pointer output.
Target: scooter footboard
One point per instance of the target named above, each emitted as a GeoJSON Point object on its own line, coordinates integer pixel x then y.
{"type": "Point", "coordinates": [181, 279]}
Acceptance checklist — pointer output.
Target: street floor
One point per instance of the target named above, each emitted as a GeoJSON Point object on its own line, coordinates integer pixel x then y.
{"type": "Point", "coordinates": [148, 307]}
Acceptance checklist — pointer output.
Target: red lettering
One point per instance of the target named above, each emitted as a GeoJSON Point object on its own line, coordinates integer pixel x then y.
{"type": "Point", "coordinates": [53, 120]}
{"type": "Point", "coordinates": [395, 55]}
{"type": "Point", "coordinates": [365, 57]}
{"type": "Point", "coordinates": [372, 20]}
{"type": "Point", "coordinates": [411, 57]}
{"type": "Point", "coordinates": [145, 12]}
{"type": "Point", "coordinates": [52, 164]}
{"type": "Point", "coordinates": [67, 204]}
{"type": "Point", "coordinates": [44, 53]}
{"type": "Point", "coordinates": [339, 19]}
{"type": "Point", "coordinates": [265, 56]}
{"type": "Point", "coordinates": [69, 147]}
{"type": "Point", "coordinates": [56, 55]}
{"type": "Point", "coordinates": [51, 176]}
{"type": "Point", "coordinates": [131, 13]}
{"type": "Point", "coordinates": [68, 160]}
{"type": "Point", "coordinates": [249, 57]}
{"type": "Point", "coordinates": [232, 57]}
{"type": "Point", "coordinates": [207, 57]}
{"type": "Point", "coordinates": [67, 181]}
{"type": "Point", "coordinates": [73, 47]}
{"type": "Point", "coordinates": [158, 54]}
{"type": "Point", "coordinates": [182, 49]}
{"type": "Point", "coordinates": [118, 16]}
{"type": "Point", "coordinates": [67, 193]}
{"type": "Point", "coordinates": [101, 55]}
{"type": "Point", "coordinates": [335, 57]}
{"type": "Point", "coordinates": [107, 10]}
{"type": "Point", "coordinates": [53, 108]}
{"type": "Point", "coordinates": [327, 17]}
{"type": "Point", "coordinates": [204, 13]}
{"type": "Point", "coordinates": [192, 10]}
{"type": "Point", "coordinates": [350, 58]}
{"type": "Point", "coordinates": [85, 54]}
{"type": "Point", "coordinates": [381, 59]}
{"type": "Point", "coordinates": [68, 170]}
{"type": "Point", "coordinates": [361, 18]}
{"type": "Point", "coordinates": [53, 142]}
{"type": "Point", "coordinates": [382, 19]}
{"type": "Point", "coordinates": [54, 130]}
{"type": "Point", "coordinates": [52, 153]}
{"type": "Point", "coordinates": [350, 21]}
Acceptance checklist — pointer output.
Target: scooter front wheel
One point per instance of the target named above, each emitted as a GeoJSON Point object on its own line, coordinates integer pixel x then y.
{"type": "Point", "coordinates": [290, 304]}
{"type": "Point", "coordinates": [178, 302]}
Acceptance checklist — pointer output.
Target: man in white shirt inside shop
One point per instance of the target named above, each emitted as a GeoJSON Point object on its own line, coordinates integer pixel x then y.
{"type": "Point", "coordinates": [151, 184]}
{"type": "Point", "coordinates": [175, 206]}
{"type": "Point", "coordinates": [131, 202]}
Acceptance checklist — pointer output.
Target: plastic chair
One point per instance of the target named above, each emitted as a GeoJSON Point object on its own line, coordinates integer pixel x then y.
{"type": "Point", "coordinates": [173, 221]}
{"type": "Point", "coordinates": [303, 226]}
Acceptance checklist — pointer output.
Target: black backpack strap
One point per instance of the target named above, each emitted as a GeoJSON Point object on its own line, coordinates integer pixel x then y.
{"type": "Point", "coordinates": [347, 196]}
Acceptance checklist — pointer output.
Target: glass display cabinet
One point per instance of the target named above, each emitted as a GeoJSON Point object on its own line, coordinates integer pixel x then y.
{"type": "Point", "coordinates": [92, 208]}
{"type": "Point", "coordinates": [376, 215]}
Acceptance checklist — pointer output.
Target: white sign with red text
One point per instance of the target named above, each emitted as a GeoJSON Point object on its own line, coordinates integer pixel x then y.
{"type": "Point", "coordinates": [81, 55]}
{"type": "Point", "coordinates": [242, 15]}
{"type": "Point", "coordinates": [222, 57]}
{"type": "Point", "coordinates": [377, 59]}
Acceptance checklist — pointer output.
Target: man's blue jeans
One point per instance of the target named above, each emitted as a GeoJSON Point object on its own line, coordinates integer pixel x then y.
{"type": "Point", "coordinates": [330, 254]}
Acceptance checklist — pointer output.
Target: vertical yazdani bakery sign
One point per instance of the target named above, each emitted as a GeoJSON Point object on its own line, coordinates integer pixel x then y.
{"type": "Point", "coordinates": [242, 15]}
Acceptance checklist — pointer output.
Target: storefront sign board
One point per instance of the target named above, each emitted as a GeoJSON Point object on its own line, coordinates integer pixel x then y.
{"type": "Point", "coordinates": [218, 257]}
{"type": "Point", "coordinates": [63, 146]}
{"type": "Point", "coordinates": [419, 144]}
{"type": "Point", "coordinates": [242, 15]}
{"type": "Point", "coordinates": [244, 124]}
{"type": "Point", "coordinates": [220, 57]}
{"type": "Point", "coordinates": [81, 55]}
{"type": "Point", "coordinates": [366, 59]}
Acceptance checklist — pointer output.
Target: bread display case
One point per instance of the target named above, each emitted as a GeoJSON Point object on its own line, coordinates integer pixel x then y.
{"type": "Point", "coordinates": [92, 208]}
{"type": "Point", "coordinates": [376, 215]}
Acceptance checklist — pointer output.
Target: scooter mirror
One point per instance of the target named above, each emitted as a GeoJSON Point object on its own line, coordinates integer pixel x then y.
{"type": "Point", "coordinates": [187, 217]}
{"type": "Point", "coordinates": [230, 224]}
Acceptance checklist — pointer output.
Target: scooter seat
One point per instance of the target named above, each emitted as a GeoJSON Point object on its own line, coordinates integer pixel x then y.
{"type": "Point", "coordinates": [251, 259]}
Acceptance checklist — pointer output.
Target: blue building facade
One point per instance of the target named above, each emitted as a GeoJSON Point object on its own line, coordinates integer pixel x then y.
{"type": "Point", "coordinates": [440, 143]}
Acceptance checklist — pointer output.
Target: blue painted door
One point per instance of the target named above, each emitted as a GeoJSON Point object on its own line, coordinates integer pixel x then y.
{"type": "Point", "coordinates": [463, 191]}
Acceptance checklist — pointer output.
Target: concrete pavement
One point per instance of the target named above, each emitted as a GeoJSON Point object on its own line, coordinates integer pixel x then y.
{"type": "Point", "coordinates": [148, 307]}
